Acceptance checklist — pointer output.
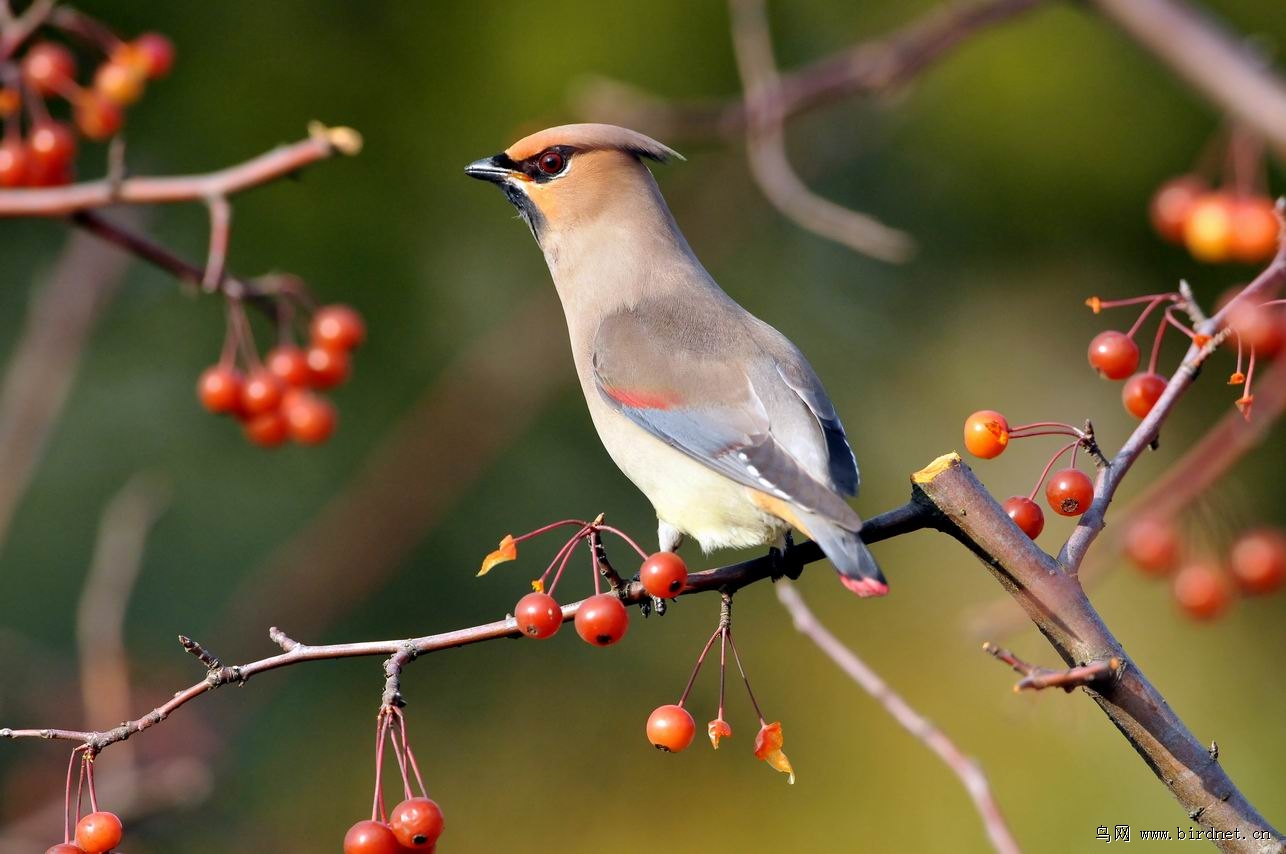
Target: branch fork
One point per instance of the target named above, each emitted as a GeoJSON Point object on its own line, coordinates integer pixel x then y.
{"type": "Point", "coordinates": [1036, 678]}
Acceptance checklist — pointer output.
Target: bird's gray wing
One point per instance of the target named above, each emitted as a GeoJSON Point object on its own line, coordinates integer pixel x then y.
{"type": "Point", "coordinates": [668, 374]}
{"type": "Point", "coordinates": [840, 461]}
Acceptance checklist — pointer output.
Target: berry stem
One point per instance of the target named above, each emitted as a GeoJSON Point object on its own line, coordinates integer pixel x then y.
{"type": "Point", "coordinates": [1049, 465]}
{"type": "Point", "coordinates": [1177, 324]}
{"type": "Point", "coordinates": [697, 669]}
{"type": "Point", "coordinates": [566, 554]}
{"type": "Point", "coordinates": [723, 667]}
{"type": "Point", "coordinates": [626, 537]}
{"type": "Point", "coordinates": [88, 763]}
{"type": "Point", "coordinates": [580, 523]}
{"type": "Point", "coordinates": [67, 823]}
{"type": "Point", "coordinates": [1155, 301]}
{"type": "Point", "coordinates": [410, 756]}
{"type": "Point", "coordinates": [1156, 346]}
{"type": "Point", "coordinates": [377, 806]}
{"type": "Point", "coordinates": [399, 753]}
{"type": "Point", "coordinates": [737, 657]}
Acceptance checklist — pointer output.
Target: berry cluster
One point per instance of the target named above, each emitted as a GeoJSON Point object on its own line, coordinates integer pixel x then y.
{"type": "Point", "coordinates": [601, 619]}
{"type": "Point", "coordinates": [1068, 491]}
{"type": "Point", "coordinates": [671, 728]}
{"type": "Point", "coordinates": [1220, 211]}
{"type": "Point", "coordinates": [1216, 225]}
{"type": "Point", "coordinates": [1256, 330]}
{"type": "Point", "coordinates": [416, 823]}
{"type": "Point", "coordinates": [38, 150]}
{"type": "Point", "coordinates": [275, 398]}
{"type": "Point", "coordinates": [95, 833]}
{"type": "Point", "coordinates": [1256, 563]}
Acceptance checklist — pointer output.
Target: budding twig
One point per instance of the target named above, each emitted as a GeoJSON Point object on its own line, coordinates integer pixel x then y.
{"type": "Point", "coordinates": [1036, 678]}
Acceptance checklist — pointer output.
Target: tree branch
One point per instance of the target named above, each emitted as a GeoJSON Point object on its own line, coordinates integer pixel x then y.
{"type": "Point", "coordinates": [322, 143]}
{"type": "Point", "coordinates": [1219, 65]}
{"type": "Point", "coordinates": [870, 66]}
{"type": "Point", "coordinates": [965, 769]}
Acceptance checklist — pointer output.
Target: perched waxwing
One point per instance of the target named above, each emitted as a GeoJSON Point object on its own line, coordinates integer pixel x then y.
{"type": "Point", "coordinates": [713, 414]}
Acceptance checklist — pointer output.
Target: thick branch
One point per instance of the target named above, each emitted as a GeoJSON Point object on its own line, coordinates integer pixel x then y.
{"type": "Point", "coordinates": [1055, 602]}
{"type": "Point", "coordinates": [321, 144]}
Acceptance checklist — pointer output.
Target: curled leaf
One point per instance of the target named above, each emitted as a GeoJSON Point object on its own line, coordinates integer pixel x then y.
{"type": "Point", "coordinates": [768, 748]}
{"type": "Point", "coordinates": [538, 585]}
{"type": "Point", "coordinates": [1095, 304]}
{"type": "Point", "coordinates": [508, 551]}
{"type": "Point", "coordinates": [717, 729]}
{"type": "Point", "coordinates": [1237, 378]}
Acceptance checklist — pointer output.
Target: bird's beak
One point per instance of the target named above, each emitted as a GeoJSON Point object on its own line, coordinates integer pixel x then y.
{"type": "Point", "coordinates": [494, 169]}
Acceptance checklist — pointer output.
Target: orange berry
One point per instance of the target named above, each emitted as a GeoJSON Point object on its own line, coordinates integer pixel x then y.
{"type": "Point", "coordinates": [262, 392]}
{"type": "Point", "coordinates": [98, 832]}
{"type": "Point", "coordinates": [311, 418]}
{"type": "Point", "coordinates": [1258, 561]}
{"type": "Point", "coordinates": [1141, 393]}
{"type": "Point", "coordinates": [1114, 355]}
{"type": "Point", "coordinates": [120, 82]}
{"type": "Point", "coordinates": [49, 68]}
{"type": "Point", "coordinates": [986, 433]}
{"type": "Point", "coordinates": [1069, 492]}
{"type": "Point", "coordinates": [671, 728]}
{"type": "Point", "coordinates": [97, 116]}
{"type": "Point", "coordinates": [1255, 229]}
{"type": "Point", "coordinates": [1200, 590]}
{"type": "Point", "coordinates": [1152, 544]}
{"type": "Point", "coordinates": [328, 367]}
{"type": "Point", "coordinates": [602, 620]}
{"type": "Point", "coordinates": [663, 575]}
{"type": "Point", "coordinates": [13, 163]}
{"type": "Point", "coordinates": [1172, 203]}
{"type": "Point", "coordinates": [154, 53]}
{"type": "Point", "coordinates": [1026, 514]}
{"type": "Point", "coordinates": [219, 389]}
{"type": "Point", "coordinates": [1260, 327]}
{"type": "Point", "coordinates": [267, 430]}
{"type": "Point", "coordinates": [1208, 230]}
{"type": "Point", "coordinates": [337, 327]}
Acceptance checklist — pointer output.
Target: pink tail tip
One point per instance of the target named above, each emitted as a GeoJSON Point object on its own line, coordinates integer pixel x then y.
{"type": "Point", "coordinates": [865, 587]}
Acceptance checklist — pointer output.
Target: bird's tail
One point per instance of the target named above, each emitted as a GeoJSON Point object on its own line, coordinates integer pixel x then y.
{"type": "Point", "coordinates": [857, 568]}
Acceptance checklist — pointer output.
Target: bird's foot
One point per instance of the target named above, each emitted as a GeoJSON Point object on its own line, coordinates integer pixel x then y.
{"type": "Point", "coordinates": [783, 559]}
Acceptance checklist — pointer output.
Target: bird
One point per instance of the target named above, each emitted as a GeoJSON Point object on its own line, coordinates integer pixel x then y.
{"type": "Point", "coordinates": [714, 415]}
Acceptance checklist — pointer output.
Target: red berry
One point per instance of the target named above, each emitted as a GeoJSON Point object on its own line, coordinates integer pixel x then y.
{"type": "Point", "coordinates": [98, 117]}
{"type": "Point", "coordinates": [670, 728]}
{"type": "Point", "coordinates": [50, 150]}
{"type": "Point", "coordinates": [371, 837]}
{"type": "Point", "coordinates": [261, 392]}
{"type": "Point", "coordinates": [1026, 514]}
{"type": "Point", "coordinates": [1208, 229]}
{"type": "Point", "coordinates": [1201, 591]}
{"type": "Point", "coordinates": [327, 367]}
{"type": "Point", "coordinates": [663, 575]}
{"type": "Point", "coordinates": [153, 53]}
{"type": "Point", "coordinates": [1069, 492]}
{"type": "Point", "coordinates": [98, 832]}
{"type": "Point", "coordinates": [538, 615]}
{"type": "Point", "coordinates": [1260, 327]}
{"type": "Point", "coordinates": [417, 823]}
{"type": "Point", "coordinates": [1258, 561]}
{"type": "Point", "coordinates": [338, 327]}
{"type": "Point", "coordinates": [290, 365]}
{"type": "Point", "coordinates": [311, 418]}
{"type": "Point", "coordinates": [602, 620]}
{"type": "Point", "coordinates": [49, 68]}
{"type": "Point", "coordinates": [219, 389]}
{"type": "Point", "coordinates": [1172, 204]}
{"type": "Point", "coordinates": [1152, 545]}
{"type": "Point", "coordinates": [1141, 393]}
{"type": "Point", "coordinates": [13, 163]}
{"type": "Point", "coordinates": [119, 82]}
{"type": "Point", "coordinates": [1254, 229]}
{"type": "Point", "coordinates": [1114, 355]}
{"type": "Point", "coordinates": [986, 433]}
{"type": "Point", "coordinates": [268, 429]}
{"type": "Point", "coordinates": [64, 848]}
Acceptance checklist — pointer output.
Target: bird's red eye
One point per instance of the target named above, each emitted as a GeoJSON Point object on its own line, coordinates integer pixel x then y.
{"type": "Point", "coordinates": [551, 162]}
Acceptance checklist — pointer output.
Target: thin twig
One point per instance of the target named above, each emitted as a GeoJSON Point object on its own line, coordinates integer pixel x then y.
{"type": "Point", "coordinates": [1036, 678]}
{"type": "Point", "coordinates": [46, 357]}
{"type": "Point", "coordinates": [100, 616]}
{"type": "Point", "coordinates": [766, 145]}
{"type": "Point", "coordinates": [322, 143]}
{"type": "Point", "coordinates": [966, 770]}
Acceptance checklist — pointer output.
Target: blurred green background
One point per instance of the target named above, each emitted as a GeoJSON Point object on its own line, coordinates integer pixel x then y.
{"type": "Point", "coordinates": [1023, 164]}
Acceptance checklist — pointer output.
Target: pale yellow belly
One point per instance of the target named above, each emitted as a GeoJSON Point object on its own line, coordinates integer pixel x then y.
{"type": "Point", "coordinates": [712, 509]}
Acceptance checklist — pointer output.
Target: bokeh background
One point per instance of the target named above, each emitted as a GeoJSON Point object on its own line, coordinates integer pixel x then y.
{"type": "Point", "coordinates": [1023, 164]}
